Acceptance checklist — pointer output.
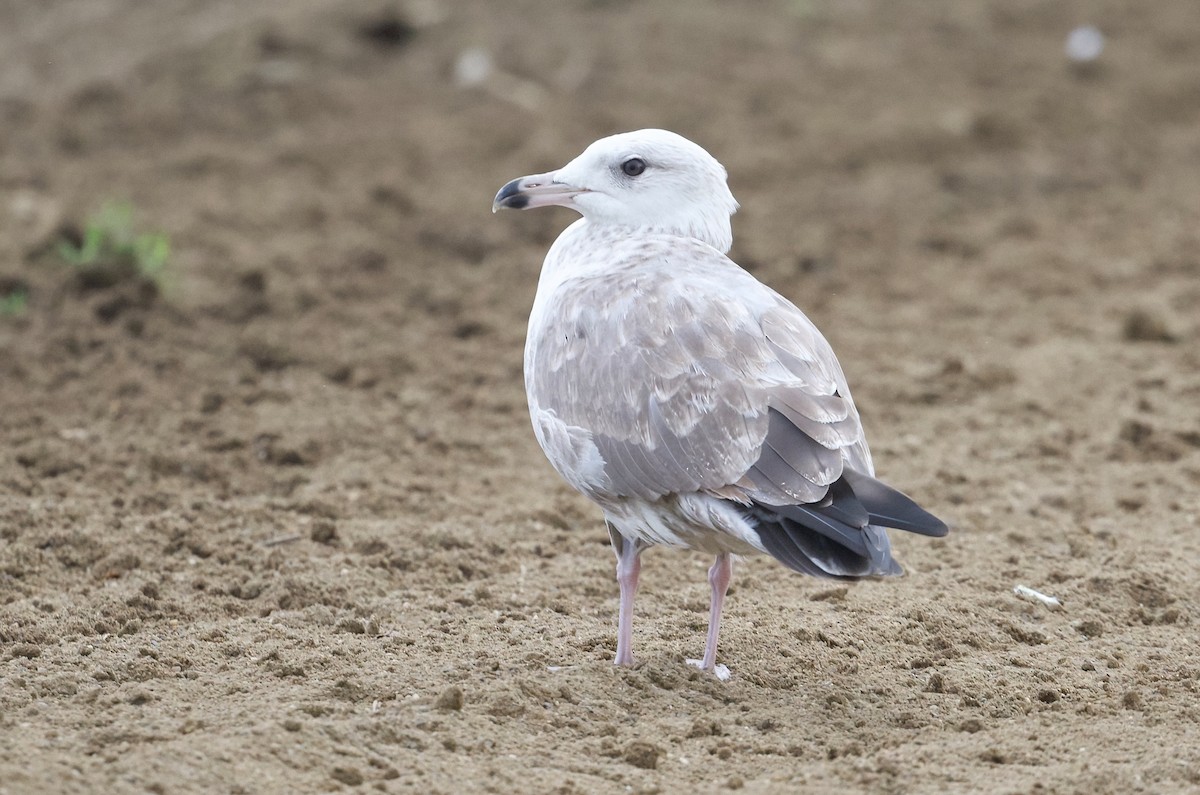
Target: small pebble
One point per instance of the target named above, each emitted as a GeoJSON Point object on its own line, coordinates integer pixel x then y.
{"type": "Point", "coordinates": [1085, 44]}
{"type": "Point", "coordinates": [451, 699]}
{"type": "Point", "coordinates": [474, 66]}
{"type": "Point", "coordinates": [642, 754]}
{"type": "Point", "coordinates": [348, 776]}
{"type": "Point", "coordinates": [1146, 325]}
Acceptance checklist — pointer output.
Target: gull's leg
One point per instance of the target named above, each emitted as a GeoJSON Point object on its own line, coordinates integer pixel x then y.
{"type": "Point", "coordinates": [718, 578]}
{"type": "Point", "coordinates": [629, 565]}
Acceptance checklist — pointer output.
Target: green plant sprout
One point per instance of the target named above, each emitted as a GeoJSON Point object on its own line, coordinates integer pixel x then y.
{"type": "Point", "coordinates": [109, 239]}
{"type": "Point", "coordinates": [14, 303]}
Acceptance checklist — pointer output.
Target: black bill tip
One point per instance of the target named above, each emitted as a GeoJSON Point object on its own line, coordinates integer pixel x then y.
{"type": "Point", "coordinates": [510, 196]}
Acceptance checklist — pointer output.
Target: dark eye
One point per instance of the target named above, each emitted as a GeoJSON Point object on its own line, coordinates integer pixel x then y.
{"type": "Point", "coordinates": [633, 166]}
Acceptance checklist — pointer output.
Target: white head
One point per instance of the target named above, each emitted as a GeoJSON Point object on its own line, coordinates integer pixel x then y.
{"type": "Point", "coordinates": [650, 180]}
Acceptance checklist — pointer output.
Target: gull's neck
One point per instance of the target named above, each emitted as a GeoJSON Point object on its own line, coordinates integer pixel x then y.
{"type": "Point", "coordinates": [711, 227]}
{"type": "Point", "coordinates": [588, 245]}
{"type": "Point", "coordinates": [586, 248]}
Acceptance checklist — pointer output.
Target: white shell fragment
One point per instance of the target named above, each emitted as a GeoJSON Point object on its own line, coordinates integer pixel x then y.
{"type": "Point", "coordinates": [1036, 596]}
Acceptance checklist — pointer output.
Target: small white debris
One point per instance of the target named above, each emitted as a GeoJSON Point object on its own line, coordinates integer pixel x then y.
{"type": "Point", "coordinates": [719, 671]}
{"type": "Point", "coordinates": [554, 668]}
{"type": "Point", "coordinates": [1085, 44]}
{"type": "Point", "coordinates": [1036, 596]}
{"type": "Point", "coordinates": [473, 67]}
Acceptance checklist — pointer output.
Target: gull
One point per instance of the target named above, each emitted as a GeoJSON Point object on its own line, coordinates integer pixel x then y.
{"type": "Point", "coordinates": [697, 407]}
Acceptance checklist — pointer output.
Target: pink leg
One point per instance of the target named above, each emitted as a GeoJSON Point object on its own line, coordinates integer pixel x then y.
{"type": "Point", "coordinates": [718, 577]}
{"type": "Point", "coordinates": [629, 565]}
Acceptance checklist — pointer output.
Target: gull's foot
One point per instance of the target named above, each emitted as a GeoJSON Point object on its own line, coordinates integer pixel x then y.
{"type": "Point", "coordinates": [719, 671]}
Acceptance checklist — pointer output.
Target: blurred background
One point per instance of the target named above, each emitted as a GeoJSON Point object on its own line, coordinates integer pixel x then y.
{"type": "Point", "coordinates": [271, 515]}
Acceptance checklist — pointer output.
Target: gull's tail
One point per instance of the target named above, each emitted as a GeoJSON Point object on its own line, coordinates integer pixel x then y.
{"type": "Point", "coordinates": [843, 535]}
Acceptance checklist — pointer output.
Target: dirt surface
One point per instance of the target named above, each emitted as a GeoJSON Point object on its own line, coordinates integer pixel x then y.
{"type": "Point", "coordinates": [279, 524]}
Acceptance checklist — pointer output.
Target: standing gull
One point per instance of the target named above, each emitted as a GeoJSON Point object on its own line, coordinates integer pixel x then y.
{"type": "Point", "coordinates": [695, 405]}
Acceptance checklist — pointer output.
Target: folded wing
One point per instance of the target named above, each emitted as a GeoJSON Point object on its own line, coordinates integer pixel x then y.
{"type": "Point", "coordinates": [678, 373]}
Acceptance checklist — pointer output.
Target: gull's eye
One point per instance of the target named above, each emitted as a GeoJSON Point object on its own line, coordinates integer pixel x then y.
{"type": "Point", "coordinates": [633, 166]}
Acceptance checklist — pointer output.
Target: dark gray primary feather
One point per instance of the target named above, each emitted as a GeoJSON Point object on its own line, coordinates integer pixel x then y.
{"type": "Point", "coordinates": [802, 549]}
{"type": "Point", "coordinates": [842, 535]}
{"type": "Point", "coordinates": [832, 518]}
{"type": "Point", "coordinates": [892, 508]}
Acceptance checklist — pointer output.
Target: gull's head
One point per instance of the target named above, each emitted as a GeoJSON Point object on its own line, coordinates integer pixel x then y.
{"type": "Point", "coordinates": [650, 180]}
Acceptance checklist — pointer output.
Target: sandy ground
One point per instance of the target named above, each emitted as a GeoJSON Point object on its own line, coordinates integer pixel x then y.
{"type": "Point", "coordinates": [283, 527]}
